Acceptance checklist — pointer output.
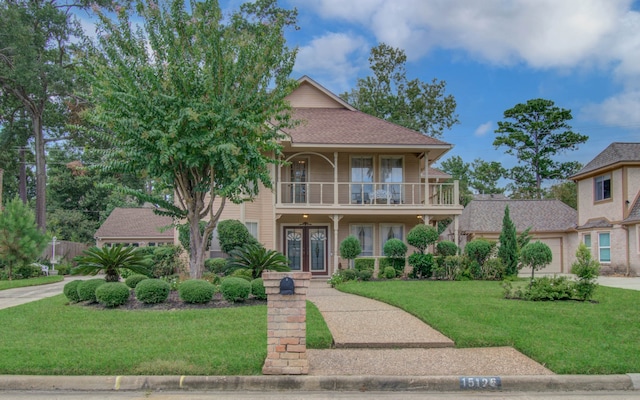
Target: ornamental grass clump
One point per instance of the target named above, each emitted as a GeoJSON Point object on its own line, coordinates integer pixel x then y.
{"type": "Point", "coordinates": [133, 280]}
{"type": "Point", "coordinates": [112, 294]}
{"type": "Point", "coordinates": [152, 291]}
{"type": "Point", "coordinates": [198, 291]}
{"type": "Point", "coordinates": [87, 289]}
{"type": "Point", "coordinates": [235, 289]}
{"type": "Point", "coordinates": [70, 290]}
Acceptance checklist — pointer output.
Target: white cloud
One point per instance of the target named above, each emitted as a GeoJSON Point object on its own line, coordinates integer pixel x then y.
{"type": "Point", "coordinates": [334, 59]}
{"type": "Point", "coordinates": [483, 129]}
{"type": "Point", "coordinates": [619, 110]}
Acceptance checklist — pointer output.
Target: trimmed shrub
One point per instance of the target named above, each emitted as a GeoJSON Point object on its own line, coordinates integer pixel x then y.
{"type": "Point", "coordinates": [389, 273]}
{"type": "Point", "coordinates": [587, 271]}
{"type": "Point", "coordinates": [63, 269]}
{"type": "Point", "coordinates": [26, 271]}
{"type": "Point", "coordinates": [243, 273]}
{"type": "Point", "coordinates": [349, 274]}
{"type": "Point", "coordinates": [257, 289]}
{"type": "Point", "coordinates": [233, 234]}
{"type": "Point", "coordinates": [493, 269]}
{"type": "Point", "coordinates": [350, 248]}
{"type": "Point", "coordinates": [70, 290]}
{"type": "Point", "coordinates": [365, 274]}
{"type": "Point", "coordinates": [447, 248]}
{"type": "Point", "coordinates": [395, 250]}
{"type": "Point", "coordinates": [87, 289]}
{"type": "Point", "coordinates": [133, 280]}
{"type": "Point", "coordinates": [449, 267]}
{"type": "Point", "coordinates": [422, 236]}
{"type": "Point", "coordinates": [422, 265]}
{"type": "Point", "coordinates": [235, 289]}
{"type": "Point", "coordinates": [152, 291]}
{"type": "Point", "coordinates": [198, 291]}
{"type": "Point", "coordinates": [536, 256]}
{"type": "Point", "coordinates": [362, 264]}
{"type": "Point", "coordinates": [211, 278]}
{"type": "Point", "coordinates": [479, 250]}
{"type": "Point", "coordinates": [112, 294]}
{"type": "Point", "coordinates": [216, 265]}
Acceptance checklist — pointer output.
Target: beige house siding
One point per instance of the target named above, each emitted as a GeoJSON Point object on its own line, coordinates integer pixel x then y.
{"type": "Point", "coordinates": [307, 96]}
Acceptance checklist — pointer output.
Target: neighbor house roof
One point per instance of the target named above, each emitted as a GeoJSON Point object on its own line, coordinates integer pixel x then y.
{"type": "Point", "coordinates": [540, 215]}
{"type": "Point", "coordinates": [634, 214]}
{"type": "Point", "coordinates": [135, 223]}
{"type": "Point", "coordinates": [615, 153]}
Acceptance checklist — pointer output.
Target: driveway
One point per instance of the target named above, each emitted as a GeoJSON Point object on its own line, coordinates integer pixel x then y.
{"type": "Point", "coordinates": [620, 282]}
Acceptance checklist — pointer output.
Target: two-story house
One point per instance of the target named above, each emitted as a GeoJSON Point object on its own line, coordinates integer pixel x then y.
{"type": "Point", "coordinates": [346, 172]}
{"type": "Point", "coordinates": [609, 207]}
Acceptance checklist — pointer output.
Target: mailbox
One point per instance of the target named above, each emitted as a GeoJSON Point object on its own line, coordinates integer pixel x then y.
{"type": "Point", "coordinates": [287, 286]}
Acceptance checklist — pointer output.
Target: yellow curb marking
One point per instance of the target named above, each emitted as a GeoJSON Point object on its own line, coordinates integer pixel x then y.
{"type": "Point", "coordinates": [118, 382]}
{"type": "Point", "coordinates": [182, 380]}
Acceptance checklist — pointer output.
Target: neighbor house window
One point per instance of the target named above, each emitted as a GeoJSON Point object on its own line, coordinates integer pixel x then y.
{"type": "Point", "coordinates": [602, 187]}
{"type": "Point", "coordinates": [364, 233]}
{"type": "Point", "coordinates": [586, 239]}
{"type": "Point", "coordinates": [390, 232]}
{"type": "Point", "coordinates": [604, 247]}
{"type": "Point", "coordinates": [252, 227]}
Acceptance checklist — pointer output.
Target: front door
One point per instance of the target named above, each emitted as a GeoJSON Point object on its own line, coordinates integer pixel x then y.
{"type": "Point", "coordinates": [306, 247]}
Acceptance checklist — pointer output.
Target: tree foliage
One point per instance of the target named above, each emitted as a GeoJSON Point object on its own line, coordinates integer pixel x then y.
{"type": "Point", "coordinates": [195, 100]}
{"type": "Point", "coordinates": [485, 176]}
{"type": "Point", "coordinates": [422, 236]}
{"type": "Point", "coordinates": [350, 248]}
{"type": "Point", "coordinates": [508, 250]}
{"type": "Point", "coordinates": [388, 94]}
{"type": "Point", "coordinates": [535, 132]}
{"type": "Point", "coordinates": [566, 192]}
{"type": "Point", "coordinates": [20, 240]}
{"type": "Point", "coordinates": [460, 171]}
{"type": "Point", "coordinates": [535, 255]}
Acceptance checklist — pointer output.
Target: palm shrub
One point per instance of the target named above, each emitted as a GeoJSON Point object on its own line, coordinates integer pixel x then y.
{"type": "Point", "coordinates": [87, 289]}
{"type": "Point", "coordinates": [112, 294]}
{"type": "Point", "coordinates": [395, 250]}
{"type": "Point", "coordinates": [235, 289]}
{"type": "Point", "coordinates": [258, 259]}
{"type": "Point", "coordinates": [257, 289]}
{"type": "Point", "coordinates": [536, 255]}
{"type": "Point", "coordinates": [70, 290]}
{"type": "Point", "coordinates": [350, 249]}
{"type": "Point", "coordinates": [587, 271]}
{"type": "Point", "coordinates": [110, 260]}
{"type": "Point", "coordinates": [134, 279]}
{"type": "Point", "coordinates": [152, 291]}
{"type": "Point", "coordinates": [198, 291]}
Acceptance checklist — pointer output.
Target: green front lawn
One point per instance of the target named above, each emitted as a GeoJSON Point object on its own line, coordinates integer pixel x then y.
{"type": "Point", "coordinates": [18, 283]}
{"type": "Point", "coordinates": [567, 337]}
{"type": "Point", "coordinates": [49, 337]}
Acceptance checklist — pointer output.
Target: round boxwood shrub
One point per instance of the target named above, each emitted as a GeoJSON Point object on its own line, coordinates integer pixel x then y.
{"type": "Point", "coordinates": [447, 248]}
{"type": "Point", "coordinates": [235, 289]}
{"type": "Point", "coordinates": [197, 291]}
{"type": "Point", "coordinates": [389, 272]}
{"type": "Point", "coordinates": [71, 290]}
{"type": "Point", "coordinates": [257, 289]}
{"type": "Point", "coordinates": [133, 280]}
{"type": "Point", "coordinates": [216, 265]}
{"type": "Point", "coordinates": [112, 294]}
{"type": "Point", "coordinates": [152, 291]}
{"type": "Point", "coordinates": [87, 289]}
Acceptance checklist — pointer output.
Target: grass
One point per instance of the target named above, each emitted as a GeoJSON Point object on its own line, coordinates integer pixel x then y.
{"type": "Point", "coordinates": [78, 340]}
{"type": "Point", "coordinates": [568, 337]}
{"type": "Point", "coordinates": [18, 283]}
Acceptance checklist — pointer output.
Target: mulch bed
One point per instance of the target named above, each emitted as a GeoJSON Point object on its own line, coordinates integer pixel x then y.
{"type": "Point", "coordinates": [175, 303]}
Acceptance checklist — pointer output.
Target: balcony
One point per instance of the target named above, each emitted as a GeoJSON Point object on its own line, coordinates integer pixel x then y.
{"type": "Point", "coordinates": [370, 194]}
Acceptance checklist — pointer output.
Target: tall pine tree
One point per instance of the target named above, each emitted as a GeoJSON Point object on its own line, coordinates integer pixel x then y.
{"type": "Point", "coordinates": [508, 251]}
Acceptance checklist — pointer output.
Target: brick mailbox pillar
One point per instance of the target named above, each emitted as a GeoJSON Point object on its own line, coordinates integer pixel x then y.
{"type": "Point", "coordinates": [286, 325]}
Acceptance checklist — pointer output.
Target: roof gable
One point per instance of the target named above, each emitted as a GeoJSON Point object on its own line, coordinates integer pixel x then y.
{"type": "Point", "coordinates": [310, 94]}
{"type": "Point", "coordinates": [135, 223]}
{"type": "Point", "coordinates": [615, 153]}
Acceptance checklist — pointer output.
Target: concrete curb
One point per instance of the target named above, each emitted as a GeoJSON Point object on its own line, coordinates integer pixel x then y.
{"type": "Point", "coordinates": [315, 383]}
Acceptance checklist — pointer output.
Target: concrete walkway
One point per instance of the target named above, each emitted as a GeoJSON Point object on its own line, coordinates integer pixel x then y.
{"type": "Point", "coordinates": [374, 338]}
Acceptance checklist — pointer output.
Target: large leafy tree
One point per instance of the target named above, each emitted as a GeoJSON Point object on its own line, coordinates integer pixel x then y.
{"type": "Point", "coordinates": [388, 94]}
{"type": "Point", "coordinates": [20, 240]}
{"type": "Point", "coordinates": [535, 132]}
{"type": "Point", "coordinates": [37, 73]}
{"type": "Point", "coordinates": [196, 101]}
{"type": "Point", "coordinates": [486, 175]}
{"type": "Point", "coordinates": [566, 192]}
{"type": "Point", "coordinates": [460, 171]}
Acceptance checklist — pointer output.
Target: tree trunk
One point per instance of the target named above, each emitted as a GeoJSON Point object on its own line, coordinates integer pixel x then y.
{"type": "Point", "coordinates": [197, 247]}
{"type": "Point", "coordinates": [41, 174]}
{"type": "Point", "coordinates": [22, 175]}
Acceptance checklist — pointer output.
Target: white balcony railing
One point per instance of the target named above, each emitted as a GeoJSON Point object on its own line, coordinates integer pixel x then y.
{"type": "Point", "coordinates": [363, 194]}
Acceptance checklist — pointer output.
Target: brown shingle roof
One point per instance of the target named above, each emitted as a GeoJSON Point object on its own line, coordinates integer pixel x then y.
{"type": "Point", "coordinates": [135, 223]}
{"type": "Point", "coordinates": [340, 126]}
{"type": "Point", "coordinates": [596, 223]}
{"type": "Point", "coordinates": [634, 214]}
{"type": "Point", "coordinates": [615, 153]}
{"type": "Point", "coordinates": [540, 215]}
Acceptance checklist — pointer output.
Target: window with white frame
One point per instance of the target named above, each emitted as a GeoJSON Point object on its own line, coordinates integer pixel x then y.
{"type": "Point", "coordinates": [361, 179]}
{"type": "Point", "coordinates": [388, 231]}
{"type": "Point", "coordinates": [364, 233]}
{"type": "Point", "coordinates": [586, 239]}
{"type": "Point", "coordinates": [392, 175]}
{"type": "Point", "coordinates": [252, 227]}
{"type": "Point", "coordinates": [602, 187]}
{"type": "Point", "coordinates": [604, 247]}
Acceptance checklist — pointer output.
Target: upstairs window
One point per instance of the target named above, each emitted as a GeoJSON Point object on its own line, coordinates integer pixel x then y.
{"type": "Point", "coordinates": [602, 187]}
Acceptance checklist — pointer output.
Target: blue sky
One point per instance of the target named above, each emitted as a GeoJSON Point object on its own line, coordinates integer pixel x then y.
{"type": "Point", "coordinates": [582, 54]}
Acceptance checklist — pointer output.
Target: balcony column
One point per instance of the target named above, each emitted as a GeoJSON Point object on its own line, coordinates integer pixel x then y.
{"type": "Point", "coordinates": [335, 178]}
{"type": "Point", "coordinates": [456, 193]}
{"type": "Point", "coordinates": [426, 178]}
{"type": "Point", "coordinates": [456, 237]}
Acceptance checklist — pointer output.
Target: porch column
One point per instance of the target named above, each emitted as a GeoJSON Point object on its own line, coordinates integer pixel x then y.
{"type": "Point", "coordinates": [336, 245]}
{"type": "Point", "coordinates": [279, 185]}
{"type": "Point", "coordinates": [426, 178]}
{"type": "Point", "coordinates": [456, 239]}
{"type": "Point", "coordinates": [335, 178]}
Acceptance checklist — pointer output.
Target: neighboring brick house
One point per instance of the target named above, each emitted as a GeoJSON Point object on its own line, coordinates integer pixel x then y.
{"type": "Point", "coordinates": [551, 221]}
{"type": "Point", "coordinates": [346, 172]}
{"type": "Point", "coordinates": [609, 207]}
{"type": "Point", "coordinates": [135, 227]}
